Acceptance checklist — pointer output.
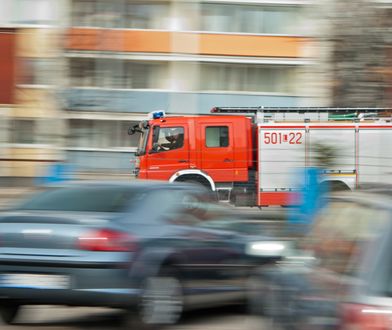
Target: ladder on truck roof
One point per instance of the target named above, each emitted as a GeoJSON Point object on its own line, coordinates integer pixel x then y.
{"type": "Point", "coordinates": [307, 113]}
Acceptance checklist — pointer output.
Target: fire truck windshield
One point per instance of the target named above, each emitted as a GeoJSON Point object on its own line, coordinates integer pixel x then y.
{"type": "Point", "coordinates": [141, 148]}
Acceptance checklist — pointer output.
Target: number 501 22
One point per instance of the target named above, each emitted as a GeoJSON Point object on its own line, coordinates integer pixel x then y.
{"type": "Point", "coordinates": [280, 138]}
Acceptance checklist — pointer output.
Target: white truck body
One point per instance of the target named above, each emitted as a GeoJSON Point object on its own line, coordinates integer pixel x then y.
{"type": "Point", "coordinates": [363, 154]}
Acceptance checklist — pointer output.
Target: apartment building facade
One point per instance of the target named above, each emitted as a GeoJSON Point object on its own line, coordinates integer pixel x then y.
{"type": "Point", "coordinates": [79, 72]}
{"type": "Point", "coordinates": [126, 58]}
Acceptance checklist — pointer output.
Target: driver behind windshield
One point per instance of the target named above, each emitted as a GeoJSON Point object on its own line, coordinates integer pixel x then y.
{"type": "Point", "coordinates": [174, 138]}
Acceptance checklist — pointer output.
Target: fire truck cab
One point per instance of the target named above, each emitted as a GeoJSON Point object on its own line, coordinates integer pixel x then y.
{"type": "Point", "coordinates": [213, 151]}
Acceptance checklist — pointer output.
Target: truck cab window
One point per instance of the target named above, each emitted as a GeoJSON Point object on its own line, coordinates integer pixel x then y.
{"type": "Point", "coordinates": [170, 138]}
{"type": "Point", "coordinates": [217, 136]}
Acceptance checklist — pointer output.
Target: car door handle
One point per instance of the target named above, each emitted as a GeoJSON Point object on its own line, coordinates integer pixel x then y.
{"type": "Point", "coordinates": [183, 161]}
{"type": "Point", "coordinates": [227, 160]}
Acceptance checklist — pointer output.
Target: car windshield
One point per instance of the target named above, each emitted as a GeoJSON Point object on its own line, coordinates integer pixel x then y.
{"type": "Point", "coordinates": [342, 232]}
{"type": "Point", "coordinates": [86, 199]}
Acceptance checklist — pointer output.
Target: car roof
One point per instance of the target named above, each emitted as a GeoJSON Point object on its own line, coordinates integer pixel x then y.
{"type": "Point", "coordinates": [142, 184]}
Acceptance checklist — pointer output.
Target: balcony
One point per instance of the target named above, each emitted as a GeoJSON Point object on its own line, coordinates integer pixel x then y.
{"type": "Point", "coordinates": [138, 101]}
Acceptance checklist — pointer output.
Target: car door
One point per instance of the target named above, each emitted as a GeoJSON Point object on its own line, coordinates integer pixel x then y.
{"type": "Point", "coordinates": [166, 158]}
{"type": "Point", "coordinates": [212, 258]}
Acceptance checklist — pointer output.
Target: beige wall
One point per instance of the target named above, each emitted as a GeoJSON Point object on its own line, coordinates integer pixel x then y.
{"type": "Point", "coordinates": [38, 43]}
{"type": "Point", "coordinates": [35, 102]}
{"type": "Point", "coordinates": [29, 162]}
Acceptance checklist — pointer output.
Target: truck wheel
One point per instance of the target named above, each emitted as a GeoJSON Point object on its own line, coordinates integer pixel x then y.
{"type": "Point", "coordinates": [8, 313]}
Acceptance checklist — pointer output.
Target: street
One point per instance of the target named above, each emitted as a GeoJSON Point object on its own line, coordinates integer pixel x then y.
{"type": "Point", "coordinates": [64, 318]}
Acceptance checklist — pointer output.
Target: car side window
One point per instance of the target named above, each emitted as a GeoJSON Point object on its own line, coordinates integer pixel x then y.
{"type": "Point", "coordinates": [221, 223]}
{"type": "Point", "coordinates": [196, 209]}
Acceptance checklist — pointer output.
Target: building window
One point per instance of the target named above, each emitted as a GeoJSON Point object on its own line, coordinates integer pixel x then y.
{"type": "Point", "coordinates": [101, 134]}
{"type": "Point", "coordinates": [147, 15]}
{"type": "Point", "coordinates": [113, 73]}
{"type": "Point", "coordinates": [23, 131]}
{"type": "Point", "coordinates": [217, 136]}
{"type": "Point", "coordinates": [84, 12]}
{"type": "Point", "coordinates": [250, 19]}
{"type": "Point", "coordinates": [82, 72]}
{"type": "Point", "coordinates": [97, 13]}
{"type": "Point", "coordinates": [121, 14]}
{"type": "Point", "coordinates": [247, 78]}
{"type": "Point", "coordinates": [143, 75]}
{"type": "Point", "coordinates": [37, 71]}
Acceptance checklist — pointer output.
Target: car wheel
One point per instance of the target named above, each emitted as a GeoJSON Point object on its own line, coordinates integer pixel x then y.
{"type": "Point", "coordinates": [277, 307]}
{"type": "Point", "coordinates": [263, 299]}
{"type": "Point", "coordinates": [261, 296]}
{"type": "Point", "coordinates": [161, 301]}
{"type": "Point", "coordinates": [9, 313]}
{"type": "Point", "coordinates": [254, 295]}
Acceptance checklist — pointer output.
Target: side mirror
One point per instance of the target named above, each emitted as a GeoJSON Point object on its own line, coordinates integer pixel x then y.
{"type": "Point", "coordinates": [144, 124]}
{"type": "Point", "coordinates": [134, 129]}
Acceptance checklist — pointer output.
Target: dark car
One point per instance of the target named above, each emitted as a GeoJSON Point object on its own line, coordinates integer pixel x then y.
{"type": "Point", "coordinates": [339, 276]}
{"type": "Point", "coordinates": [151, 248]}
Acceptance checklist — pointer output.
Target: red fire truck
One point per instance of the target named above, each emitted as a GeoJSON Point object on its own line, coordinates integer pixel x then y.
{"type": "Point", "coordinates": [256, 156]}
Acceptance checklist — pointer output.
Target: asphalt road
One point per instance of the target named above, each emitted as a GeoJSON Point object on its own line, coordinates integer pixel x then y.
{"type": "Point", "coordinates": [65, 318]}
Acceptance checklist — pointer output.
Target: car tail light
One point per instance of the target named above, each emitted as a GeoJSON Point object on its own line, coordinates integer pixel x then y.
{"type": "Point", "coordinates": [363, 317]}
{"type": "Point", "coordinates": [107, 240]}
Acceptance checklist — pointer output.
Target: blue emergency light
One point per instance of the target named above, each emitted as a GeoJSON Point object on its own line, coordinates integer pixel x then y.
{"type": "Point", "coordinates": [156, 114]}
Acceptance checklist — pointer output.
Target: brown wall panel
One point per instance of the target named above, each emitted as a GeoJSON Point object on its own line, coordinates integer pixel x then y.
{"type": "Point", "coordinates": [147, 41]}
{"type": "Point", "coordinates": [118, 40]}
{"type": "Point", "coordinates": [206, 44]}
{"type": "Point", "coordinates": [7, 65]}
{"type": "Point", "coordinates": [81, 39]}
{"type": "Point", "coordinates": [246, 45]}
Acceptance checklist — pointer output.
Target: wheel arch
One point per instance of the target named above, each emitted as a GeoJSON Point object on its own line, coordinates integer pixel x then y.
{"type": "Point", "coordinates": [150, 262]}
{"type": "Point", "coordinates": [336, 185]}
{"type": "Point", "coordinates": [193, 175]}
